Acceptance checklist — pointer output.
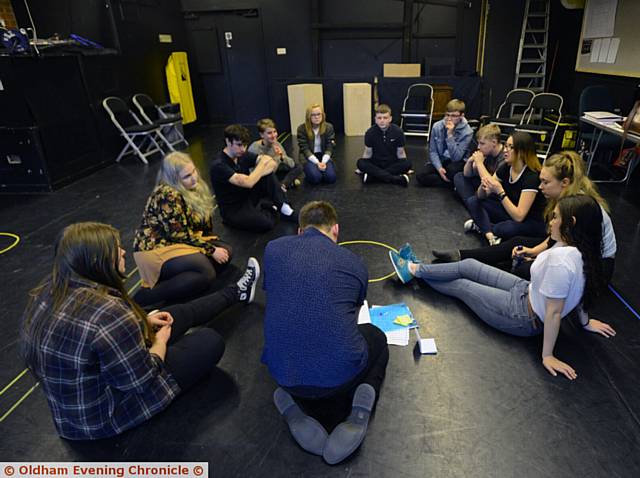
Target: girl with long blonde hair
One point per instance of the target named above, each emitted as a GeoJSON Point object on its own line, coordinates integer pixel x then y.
{"type": "Point", "coordinates": [176, 251]}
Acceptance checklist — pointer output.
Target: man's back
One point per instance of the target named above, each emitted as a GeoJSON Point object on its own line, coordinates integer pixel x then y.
{"type": "Point", "coordinates": [314, 290]}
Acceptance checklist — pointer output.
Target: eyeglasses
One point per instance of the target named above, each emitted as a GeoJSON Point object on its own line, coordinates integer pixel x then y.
{"type": "Point", "coordinates": [453, 115]}
{"type": "Point", "coordinates": [315, 114]}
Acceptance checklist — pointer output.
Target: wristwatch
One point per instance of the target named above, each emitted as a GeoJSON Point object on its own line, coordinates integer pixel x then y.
{"type": "Point", "coordinates": [502, 195]}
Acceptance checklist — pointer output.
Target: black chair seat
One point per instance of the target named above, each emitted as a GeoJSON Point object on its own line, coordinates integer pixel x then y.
{"type": "Point", "coordinates": [140, 128]}
{"type": "Point", "coordinates": [168, 120]}
{"type": "Point", "coordinates": [505, 121]}
{"type": "Point", "coordinates": [536, 128]}
{"type": "Point", "coordinates": [415, 113]}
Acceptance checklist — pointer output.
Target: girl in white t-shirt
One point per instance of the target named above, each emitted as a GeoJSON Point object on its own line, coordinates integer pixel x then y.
{"type": "Point", "coordinates": [563, 277]}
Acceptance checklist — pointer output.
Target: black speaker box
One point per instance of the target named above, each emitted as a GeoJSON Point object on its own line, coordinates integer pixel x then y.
{"type": "Point", "coordinates": [22, 163]}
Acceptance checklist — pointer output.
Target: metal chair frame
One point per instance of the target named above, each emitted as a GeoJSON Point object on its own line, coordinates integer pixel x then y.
{"type": "Point", "coordinates": [410, 128]}
{"type": "Point", "coordinates": [168, 123]}
{"type": "Point", "coordinates": [143, 139]}
{"type": "Point", "coordinates": [543, 102]}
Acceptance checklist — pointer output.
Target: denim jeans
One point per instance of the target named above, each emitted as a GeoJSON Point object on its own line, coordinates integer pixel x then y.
{"type": "Point", "coordinates": [313, 175]}
{"type": "Point", "coordinates": [500, 299]}
{"type": "Point", "coordinates": [466, 186]}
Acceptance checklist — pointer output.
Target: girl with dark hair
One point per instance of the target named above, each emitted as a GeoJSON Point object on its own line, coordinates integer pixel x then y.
{"type": "Point", "coordinates": [562, 175]}
{"type": "Point", "coordinates": [104, 364]}
{"type": "Point", "coordinates": [562, 277]}
{"type": "Point", "coordinates": [175, 249]}
{"type": "Point", "coordinates": [507, 204]}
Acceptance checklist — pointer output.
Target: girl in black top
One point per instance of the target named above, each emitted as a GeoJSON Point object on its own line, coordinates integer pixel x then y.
{"type": "Point", "coordinates": [508, 203]}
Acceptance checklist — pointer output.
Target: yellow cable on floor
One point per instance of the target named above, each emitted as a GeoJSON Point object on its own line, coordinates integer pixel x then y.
{"type": "Point", "coordinates": [381, 244]}
{"type": "Point", "coordinates": [14, 236]}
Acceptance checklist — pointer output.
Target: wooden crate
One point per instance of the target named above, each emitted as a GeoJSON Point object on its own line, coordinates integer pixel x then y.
{"type": "Point", "coordinates": [357, 108]}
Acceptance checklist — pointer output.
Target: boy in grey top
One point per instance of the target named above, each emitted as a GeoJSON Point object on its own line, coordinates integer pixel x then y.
{"type": "Point", "coordinates": [288, 170]}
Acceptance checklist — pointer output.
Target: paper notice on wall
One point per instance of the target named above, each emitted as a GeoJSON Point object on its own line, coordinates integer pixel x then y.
{"type": "Point", "coordinates": [604, 50]}
{"type": "Point", "coordinates": [613, 50]}
{"type": "Point", "coordinates": [600, 18]}
{"type": "Point", "coordinates": [595, 50]}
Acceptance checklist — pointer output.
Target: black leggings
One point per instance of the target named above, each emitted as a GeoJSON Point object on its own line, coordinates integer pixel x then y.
{"type": "Point", "coordinates": [500, 255]}
{"type": "Point", "coordinates": [182, 278]}
{"type": "Point", "coordinates": [190, 357]}
{"type": "Point", "coordinates": [331, 406]}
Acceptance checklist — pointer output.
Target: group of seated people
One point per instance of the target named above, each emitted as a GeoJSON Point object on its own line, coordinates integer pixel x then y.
{"type": "Point", "coordinates": [107, 362]}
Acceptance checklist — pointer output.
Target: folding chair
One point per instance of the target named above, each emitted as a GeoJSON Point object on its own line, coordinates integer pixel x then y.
{"type": "Point", "coordinates": [133, 130]}
{"type": "Point", "coordinates": [544, 103]}
{"type": "Point", "coordinates": [152, 114]}
{"type": "Point", "coordinates": [417, 110]}
{"type": "Point", "coordinates": [507, 118]}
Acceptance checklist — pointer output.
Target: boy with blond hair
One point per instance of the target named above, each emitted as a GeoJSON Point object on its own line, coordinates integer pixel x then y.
{"type": "Point", "coordinates": [487, 155]}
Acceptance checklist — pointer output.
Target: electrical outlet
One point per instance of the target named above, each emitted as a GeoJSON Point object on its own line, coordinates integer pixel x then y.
{"type": "Point", "coordinates": [281, 51]}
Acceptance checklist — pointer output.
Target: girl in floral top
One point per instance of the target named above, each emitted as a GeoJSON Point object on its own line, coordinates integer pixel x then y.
{"type": "Point", "coordinates": [176, 252]}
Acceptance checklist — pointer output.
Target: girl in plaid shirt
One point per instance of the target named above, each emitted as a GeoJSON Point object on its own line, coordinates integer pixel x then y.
{"type": "Point", "coordinates": [104, 364]}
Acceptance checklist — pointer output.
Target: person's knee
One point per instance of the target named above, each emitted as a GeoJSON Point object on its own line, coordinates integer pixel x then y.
{"type": "Point", "coordinates": [460, 183]}
{"type": "Point", "coordinates": [330, 178]}
{"type": "Point", "coordinates": [363, 164]}
{"type": "Point", "coordinates": [311, 174]}
{"type": "Point", "coordinates": [313, 178]}
{"type": "Point", "coordinates": [472, 202]}
{"type": "Point", "coordinates": [208, 345]}
{"type": "Point", "coordinates": [504, 229]}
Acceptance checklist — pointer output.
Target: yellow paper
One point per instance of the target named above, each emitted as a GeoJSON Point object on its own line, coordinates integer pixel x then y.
{"type": "Point", "coordinates": [403, 320]}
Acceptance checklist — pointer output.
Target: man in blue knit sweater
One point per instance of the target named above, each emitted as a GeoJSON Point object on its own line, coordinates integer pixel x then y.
{"type": "Point", "coordinates": [329, 368]}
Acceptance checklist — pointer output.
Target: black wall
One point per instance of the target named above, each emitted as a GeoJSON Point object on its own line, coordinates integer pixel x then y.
{"type": "Point", "coordinates": [131, 27]}
{"type": "Point", "coordinates": [504, 24]}
{"type": "Point", "coordinates": [285, 23]}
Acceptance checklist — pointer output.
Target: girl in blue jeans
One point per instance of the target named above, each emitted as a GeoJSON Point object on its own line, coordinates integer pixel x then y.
{"type": "Point", "coordinates": [566, 276]}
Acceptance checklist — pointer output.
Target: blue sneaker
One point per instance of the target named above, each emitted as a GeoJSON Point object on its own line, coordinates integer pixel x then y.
{"type": "Point", "coordinates": [406, 252]}
{"type": "Point", "coordinates": [401, 267]}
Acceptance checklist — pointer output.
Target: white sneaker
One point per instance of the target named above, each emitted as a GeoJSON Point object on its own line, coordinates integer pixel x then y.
{"type": "Point", "coordinates": [494, 241]}
{"type": "Point", "coordinates": [470, 226]}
